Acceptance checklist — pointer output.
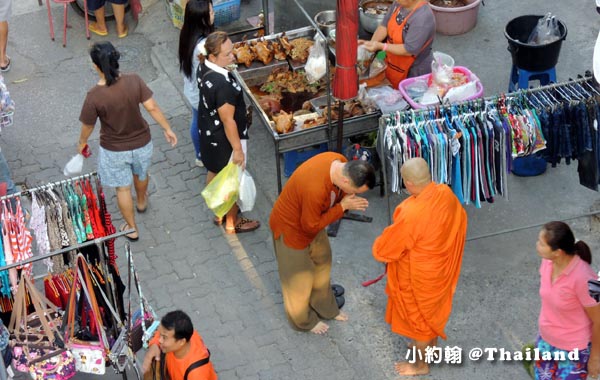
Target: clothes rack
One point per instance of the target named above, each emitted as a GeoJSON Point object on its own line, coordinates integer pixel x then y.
{"type": "Point", "coordinates": [99, 242]}
{"type": "Point", "coordinates": [579, 89]}
{"type": "Point", "coordinates": [27, 192]}
{"type": "Point", "coordinates": [67, 249]}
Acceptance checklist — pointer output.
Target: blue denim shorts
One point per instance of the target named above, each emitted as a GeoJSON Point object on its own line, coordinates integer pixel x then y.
{"type": "Point", "coordinates": [97, 4]}
{"type": "Point", "coordinates": [116, 169]}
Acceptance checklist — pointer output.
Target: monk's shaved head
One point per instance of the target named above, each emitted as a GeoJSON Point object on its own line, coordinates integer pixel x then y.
{"type": "Point", "coordinates": [416, 171]}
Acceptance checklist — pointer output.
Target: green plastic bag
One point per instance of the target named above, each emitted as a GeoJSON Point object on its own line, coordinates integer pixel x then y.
{"type": "Point", "coordinates": [222, 192]}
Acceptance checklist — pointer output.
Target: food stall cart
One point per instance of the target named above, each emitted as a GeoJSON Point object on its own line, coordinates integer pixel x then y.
{"type": "Point", "coordinates": [257, 73]}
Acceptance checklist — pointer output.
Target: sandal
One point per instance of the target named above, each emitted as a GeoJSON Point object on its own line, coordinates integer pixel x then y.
{"type": "Point", "coordinates": [7, 67]}
{"type": "Point", "coordinates": [125, 227]}
{"type": "Point", "coordinates": [94, 29]}
{"type": "Point", "coordinates": [219, 221]}
{"type": "Point", "coordinates": [244, 225]}
{"type": "Point", "coordinates": [125, 33]}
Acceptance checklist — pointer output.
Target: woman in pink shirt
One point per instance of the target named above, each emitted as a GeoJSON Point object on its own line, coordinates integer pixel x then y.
{"type": "Point", "coordinates": [569, 322]}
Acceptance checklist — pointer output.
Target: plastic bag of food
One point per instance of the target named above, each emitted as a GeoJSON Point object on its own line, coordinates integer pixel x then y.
{"type": "Point", "coordinates": [247, 196]}
{"type": "Point", "coordinates": [222, 192]}
{"type": "Point", "coordinates": [377, 66]}
{"type": "Point", "coordinates": [442, 68]}
{"type": "Point", "coordinates": [316, 64]}
{"type": "Point", "coordinates": [363, 61]}
{"type": "Point", "coordinates": [546, 31]}
{"type": "Point", "coordinates": [74, 166]}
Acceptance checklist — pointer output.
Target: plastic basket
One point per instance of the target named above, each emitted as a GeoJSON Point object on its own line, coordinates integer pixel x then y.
{"type": "Point", "coordinates": [406, 82]}
{"type": "Point", "coordinates": [226, 12]}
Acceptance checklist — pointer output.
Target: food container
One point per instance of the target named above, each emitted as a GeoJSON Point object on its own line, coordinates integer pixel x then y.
{"type": "Point", "coordinates": [325, 20]}
{"type": "Point", "coordinates": [371, 14]}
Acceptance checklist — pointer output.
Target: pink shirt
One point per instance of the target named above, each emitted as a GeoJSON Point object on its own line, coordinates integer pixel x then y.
{"type": "Point", "coordinates": [563, 321]}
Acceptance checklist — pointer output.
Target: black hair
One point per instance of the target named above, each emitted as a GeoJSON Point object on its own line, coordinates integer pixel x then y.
{"type": "Point", "coordinates": [360, 173]}
{"type": "Point", "coordinates": [106, 57]}
{"type": "Point", "coordinates": [196, 25]}
{"type": "Point", "coordinates": [180, 322]}
{"type": "Point", "coordinates": [560, 236]}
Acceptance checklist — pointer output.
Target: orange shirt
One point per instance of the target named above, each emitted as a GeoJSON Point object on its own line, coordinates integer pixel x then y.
{"type": "Point", "coordinates": [423, 250]}
{"type": "Point", "coordinates": [198, 351]}
{"type": "Point", "coordinates": [308, 203]}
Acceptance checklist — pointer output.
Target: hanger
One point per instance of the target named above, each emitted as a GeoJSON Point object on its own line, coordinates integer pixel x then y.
{"type": "Point", "coordinates": [579, 89]}
{"type": "Point", "coordinates": [587, 83]}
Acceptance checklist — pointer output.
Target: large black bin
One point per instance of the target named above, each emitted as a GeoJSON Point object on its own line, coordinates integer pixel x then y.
{"type": "Point", "coordinates": [532, 57]}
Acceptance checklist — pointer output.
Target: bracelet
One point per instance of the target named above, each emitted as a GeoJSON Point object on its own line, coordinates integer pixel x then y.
{"type": "Point", "coordinates": [385, 46]}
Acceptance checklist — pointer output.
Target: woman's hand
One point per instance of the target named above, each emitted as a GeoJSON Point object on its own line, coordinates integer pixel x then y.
{"type": "Point", "coordinates": [238, 158]}
{"type": "Point", "coordinates": [372, 46]}
{"type": "Point", "coordinates": [170, 136]}
{"type": "Point", "coordinates": [152, 353]}
{"type": "Point", "coordinates": [81, 147]}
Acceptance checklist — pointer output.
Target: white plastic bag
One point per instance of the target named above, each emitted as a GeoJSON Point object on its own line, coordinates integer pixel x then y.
{"type": "Point", "coordinates": [74, 166]}
{"type": "Point", "coordinates": [247, 196]}
{"type": "Point", "coordinates": [545, 32]}
{"type": "Point", "coordinates": [316, 64]}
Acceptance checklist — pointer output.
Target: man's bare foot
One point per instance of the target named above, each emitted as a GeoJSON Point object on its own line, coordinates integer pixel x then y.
{"type": "Point", "coordinates": [411, 369]}
{"type": "Point", "coordinates": [320, 328]}
{"type": "Point", "coordinates": [341, 317]}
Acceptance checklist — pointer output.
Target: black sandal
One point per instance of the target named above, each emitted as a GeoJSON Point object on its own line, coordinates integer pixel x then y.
{"type": "Point", "coordinates": [125, 227]}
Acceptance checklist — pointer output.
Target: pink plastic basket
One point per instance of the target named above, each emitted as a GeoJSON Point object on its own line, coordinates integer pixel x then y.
{"type": "Point", "coordinates": [406, 82]}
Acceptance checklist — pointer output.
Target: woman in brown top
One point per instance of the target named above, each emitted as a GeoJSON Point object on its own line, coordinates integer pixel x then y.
{"type": "Point", "coordinates": [125, 140]}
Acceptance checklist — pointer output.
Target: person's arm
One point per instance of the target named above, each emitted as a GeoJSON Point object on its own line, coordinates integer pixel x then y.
{"type": "Point", "coordinates": [377, 43]}
{"type": "Point", "coordinates": [153, 352]}
{"type": "Point", "coordinates": [594, 360]}
{"type": "Point", "coordinates": [84, 135]}
{"type": "Point", "coordinates": [154, 111]}
{"type": "Point", "coordinates": [226, 112]}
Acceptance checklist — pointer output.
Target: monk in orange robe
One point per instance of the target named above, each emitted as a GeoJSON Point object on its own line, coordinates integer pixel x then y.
{"type": "Point", "coordinates": [423, 251]}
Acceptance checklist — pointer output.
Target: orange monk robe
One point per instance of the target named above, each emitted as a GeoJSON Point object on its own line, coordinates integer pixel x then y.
{"type": "Point", "coordinates": [423, 250]}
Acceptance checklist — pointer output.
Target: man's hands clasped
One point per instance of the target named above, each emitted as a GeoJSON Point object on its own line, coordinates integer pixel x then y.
{"type": "Point", "coordinates": [354, 202]}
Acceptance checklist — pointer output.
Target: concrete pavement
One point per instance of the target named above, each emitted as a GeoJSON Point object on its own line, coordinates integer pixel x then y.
{"type": "Point", "coordinates": [229, 284]}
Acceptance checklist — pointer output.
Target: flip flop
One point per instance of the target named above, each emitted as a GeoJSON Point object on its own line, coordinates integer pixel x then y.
{"type": "Point", "coordinates": [7, 67]}
{"type": "Point", "coordinates": [125, 33]}
{"type": "Point", "coordinates": [92, 28]}
{"type": "Point", "coordinates": [125, 227]}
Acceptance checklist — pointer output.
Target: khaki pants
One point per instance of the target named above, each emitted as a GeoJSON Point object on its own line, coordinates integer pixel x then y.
{"type": "Point", "coordinates": [305, 282]}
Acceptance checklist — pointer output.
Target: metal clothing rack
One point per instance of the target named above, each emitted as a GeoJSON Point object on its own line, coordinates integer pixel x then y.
{"type": "Point", "coordinates": [27, 192]}
{"type": "Point", "coordinates": [384, 119]}
{"type": "Point", "coordinates": [109, 290]}
{"type": "Point", "coordinates": [50, 185]}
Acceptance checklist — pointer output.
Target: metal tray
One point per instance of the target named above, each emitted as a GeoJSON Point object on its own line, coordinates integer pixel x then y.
{"type": "Point", "coordinates": [307, 31]}
{"type": "Point", "coordinates": [257, 75]}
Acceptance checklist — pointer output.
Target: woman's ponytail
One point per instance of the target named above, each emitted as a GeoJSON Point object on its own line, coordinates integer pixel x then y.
{"type": "Point", "coordinates": [584, 251]}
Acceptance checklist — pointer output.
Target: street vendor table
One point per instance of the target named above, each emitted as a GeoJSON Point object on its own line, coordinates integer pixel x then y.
{"type": "Point", "coordinates": [305, 138]}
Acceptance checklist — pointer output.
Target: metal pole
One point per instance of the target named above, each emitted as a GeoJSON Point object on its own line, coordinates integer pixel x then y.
{"type": "Point", "coordinates": [66, 249]}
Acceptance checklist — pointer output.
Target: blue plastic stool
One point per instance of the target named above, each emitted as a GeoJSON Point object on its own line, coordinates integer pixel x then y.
{"type": "Point", "coordinates": [522, 77]}
{"type": "Point", "coordinates": [294, 158]}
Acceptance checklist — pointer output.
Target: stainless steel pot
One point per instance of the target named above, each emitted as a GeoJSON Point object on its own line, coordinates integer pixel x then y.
{"type": "Point", "coordinates": [326, 21]}
{"type": "Point", "coordinates": [370, 21]}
